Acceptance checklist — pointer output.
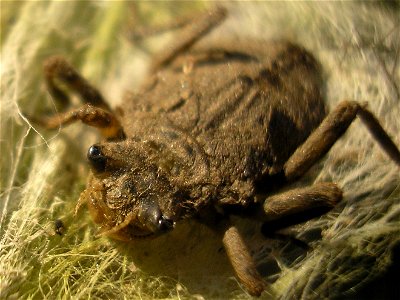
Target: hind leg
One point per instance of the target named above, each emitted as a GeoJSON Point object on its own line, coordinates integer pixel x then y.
{"type": "Point", "coordinates": [329, 131]}
{"type": "Point", "coordinates": [193, 31]}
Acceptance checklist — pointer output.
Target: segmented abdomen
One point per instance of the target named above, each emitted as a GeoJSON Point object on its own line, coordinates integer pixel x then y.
{"type": "Point", "coordinates": [247, 109]}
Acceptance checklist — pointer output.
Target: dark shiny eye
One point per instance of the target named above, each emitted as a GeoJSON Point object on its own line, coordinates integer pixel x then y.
{"type": "Point", "coordinates": [153, 220]}
{"type": "Point", "coordinates": [165, 224]}
{"type": "Point", "coordinates": [96, 159]}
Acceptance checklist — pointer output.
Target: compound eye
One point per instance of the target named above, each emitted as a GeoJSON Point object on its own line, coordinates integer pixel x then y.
{"type": "Point", "coordinates": [153, 220]}
{"type": "Point", "coordinates": [96, 159]}
{"type": "Point", "coordinates": [165, 224]}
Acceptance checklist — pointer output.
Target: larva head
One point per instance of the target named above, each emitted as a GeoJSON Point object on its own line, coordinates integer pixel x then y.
{"type": "Point", "coordinates": [127, 193]}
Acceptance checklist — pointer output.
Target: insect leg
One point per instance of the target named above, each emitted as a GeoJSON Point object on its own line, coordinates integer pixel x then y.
{"type": "Point", "coordinates": [106, 122]}
{"type": "Point", "coordinates": [96, 112]}
{"type": "Point", "coordinates": [329, 131]}
{"type": "Point", "coordinates": [56, 68]}
{"type": "Point", "coordinates": [194, 31]}
{"type": "Point", "coordinates": [300, 205]}
{"type": "Point", "coordinates": [138, 33]}
{"type": "Point", "coordinates": [242, 262]}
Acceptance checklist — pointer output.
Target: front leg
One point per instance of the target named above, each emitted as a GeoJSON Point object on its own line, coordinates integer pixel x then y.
{"type": "Point", "coordinates": [90, 115]}
{"type": "Point", "coordinates": [56, 69]}
{"type": "Point", "coordinates": [329, 131]}
{"type": "Point", "coordinates": [242, 262]}
{"type": "Point", "coordinates": [96, 112]}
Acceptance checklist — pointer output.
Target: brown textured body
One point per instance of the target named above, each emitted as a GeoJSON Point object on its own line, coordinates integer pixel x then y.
{"type": "Point", "coordinates": [224, 119]}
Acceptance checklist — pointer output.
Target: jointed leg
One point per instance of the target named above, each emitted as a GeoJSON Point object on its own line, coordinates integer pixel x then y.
{"type": "Point", "coordinates": [288, 204]}
{"type": "Point", "coordinates": [194, 32]}
{"type": "Point", "coordinates": [96, 112]}
{"type": "Point", "coordinates": [329, 131]}
{"type": "Point", "coordinates": [379, 134]}
{"type": "Point", "coordinates": [242, 262]}
{"type": "Point", "coordinates": [106, 122]}
{"type": "Point", "coordinates": [320, 195]}
{"type": "Point", "coordinates": [57, 68]}
{"type": "Point", "coordinates": [299, 205]}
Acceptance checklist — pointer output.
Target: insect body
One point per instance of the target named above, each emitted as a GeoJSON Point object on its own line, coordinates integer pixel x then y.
{"type": "Point", "coordinates": [195, 139]}
{"type": "Point", "coordinates": [211, 130]}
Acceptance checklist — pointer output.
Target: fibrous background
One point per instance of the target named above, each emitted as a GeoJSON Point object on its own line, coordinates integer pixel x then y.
{"type": "Point", "coordinates": [43, 172]}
